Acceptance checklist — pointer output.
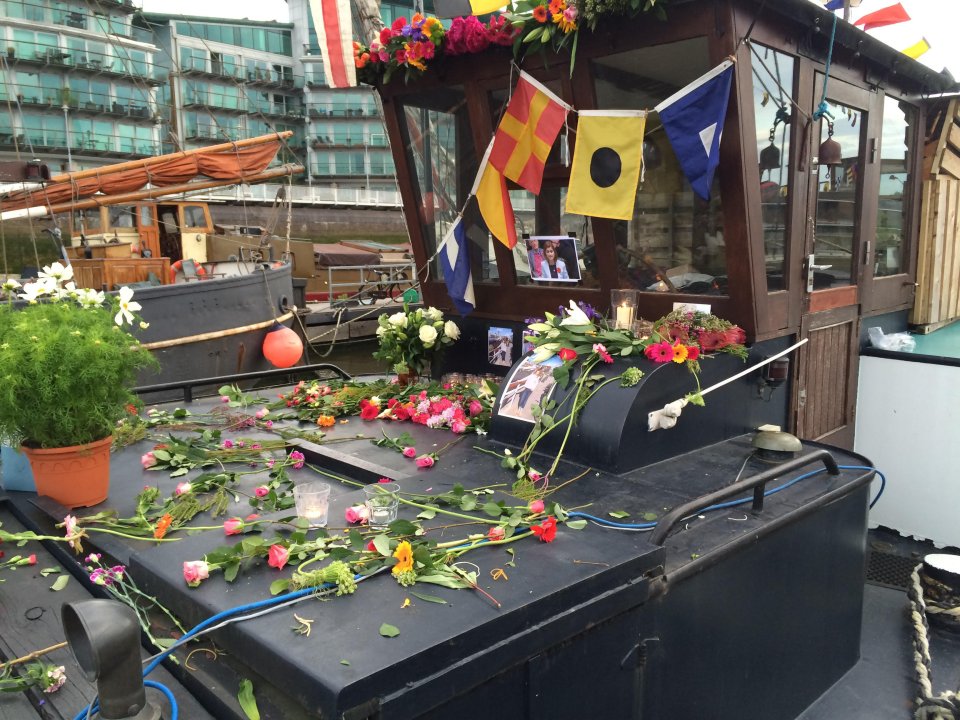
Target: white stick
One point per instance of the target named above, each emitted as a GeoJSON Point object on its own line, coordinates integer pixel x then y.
{"type": "Point", "coordinates": [667, 417]}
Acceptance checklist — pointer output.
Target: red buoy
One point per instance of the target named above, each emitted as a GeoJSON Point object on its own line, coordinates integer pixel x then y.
{"type": "Point", "coordinates": [282, 346]}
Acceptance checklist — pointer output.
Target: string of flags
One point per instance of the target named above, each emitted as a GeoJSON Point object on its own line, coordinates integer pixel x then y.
{"type": "Point", "coordinates": [883, 17]}
{"type": "Point", "coordinates": [607, 160]}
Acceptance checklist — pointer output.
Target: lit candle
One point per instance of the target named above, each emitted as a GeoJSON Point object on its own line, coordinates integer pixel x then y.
{"type": "Point", "coordinates": [624, 317]}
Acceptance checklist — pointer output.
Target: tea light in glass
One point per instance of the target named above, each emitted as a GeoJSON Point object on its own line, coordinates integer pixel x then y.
{"type": "Point", "coordinates": [382, 504]}
{"type": "Point", "coordinates": [624, 304]}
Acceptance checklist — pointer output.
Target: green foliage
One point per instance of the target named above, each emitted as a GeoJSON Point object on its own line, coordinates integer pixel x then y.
{"type": "Point", "coordinates": [412, 339]}
{"type": "Point", "coordinates": [65, 373]}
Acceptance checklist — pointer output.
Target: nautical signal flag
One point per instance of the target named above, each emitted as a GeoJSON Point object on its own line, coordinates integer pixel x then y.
{"type": "Point", "coordinates": [526, 133]}
{"type": "Point", "coordinates": [693, 120]}
{"type": "Point", "coordinates": [334, 27]}
{"type": "Point", "coordinates": [462, 8]}
{"type": "Point", "coordinates": [917, 49]}
{"type": "Point", "coordinates": [490, 187]}
{"type": "Point", "coordinates": [838, 4]}
{"type": "Point", "coordinates": [606, 163]}
{"type": "Point", "coordinates": [455, 262]}
{"type": "Point", "coordinates": [883, 17]}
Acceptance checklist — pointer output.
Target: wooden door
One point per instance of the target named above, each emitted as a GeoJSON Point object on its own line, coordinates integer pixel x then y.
{"type": "Point", "coordinates": [825, 391]}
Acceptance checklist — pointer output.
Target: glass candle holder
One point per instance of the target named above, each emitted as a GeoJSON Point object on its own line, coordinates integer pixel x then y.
{"type": "Point", "coordinates": [382, 504]}
{"type": "Point", "coordinates": [623, 308]}
{"type": "Point", "coordinates": [312, 500]}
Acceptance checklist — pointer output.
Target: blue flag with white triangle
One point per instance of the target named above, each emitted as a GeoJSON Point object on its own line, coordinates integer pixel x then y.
{"type": "Point", "coordinates": [693, 120]}
{"type": "Point", "coordinates": [455, 262]}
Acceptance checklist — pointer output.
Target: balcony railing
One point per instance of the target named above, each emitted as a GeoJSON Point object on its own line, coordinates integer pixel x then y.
{"type": "Point", "coordinates": [35, 54]}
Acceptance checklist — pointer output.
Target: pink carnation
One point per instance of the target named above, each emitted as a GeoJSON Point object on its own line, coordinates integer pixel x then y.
{"type": "Point", "coordinates": [261, 491]}
{"type": "Point", "coordinates": [475, 408]}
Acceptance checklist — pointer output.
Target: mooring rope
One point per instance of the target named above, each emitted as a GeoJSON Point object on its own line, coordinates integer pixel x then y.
{"type": "Point", "coordinates": [945, 706]}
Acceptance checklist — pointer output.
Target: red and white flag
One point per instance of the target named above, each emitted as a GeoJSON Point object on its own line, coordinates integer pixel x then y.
{"type": "Point", "coordinates": [331, 20]}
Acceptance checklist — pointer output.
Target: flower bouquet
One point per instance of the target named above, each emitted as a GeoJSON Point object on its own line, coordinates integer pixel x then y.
{"type": "Point", "coordinates": [411, 339]}
{"type": "Point", "coordinates": [406, 45]}
{"type": "Point", "coordinates": [67, 364]}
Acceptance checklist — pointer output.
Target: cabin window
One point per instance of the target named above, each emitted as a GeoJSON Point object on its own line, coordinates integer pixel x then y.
{"type": "Point", "coordinates": [773, 113]}
{"type": "Point", "coordinates": [122, 216]}
{"type": "Point", "coordinates": [146, 216]}
{"type": "Point", "coordinates": [444, 163]}
{"type": "Point", "coordinates": [674, 241]}
{"type": "Point", "coordinates": [896, 186]}
{"type": "Point", "coordinates": [86, 221]}
{"type": "Point", "coordinates": [194, 216]}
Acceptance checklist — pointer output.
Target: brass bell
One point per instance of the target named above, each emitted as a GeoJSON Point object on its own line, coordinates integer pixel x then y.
{"type": "Point", "coordinates": [770, 157]}
{"type": "Point", "coordinates": [830, 151]}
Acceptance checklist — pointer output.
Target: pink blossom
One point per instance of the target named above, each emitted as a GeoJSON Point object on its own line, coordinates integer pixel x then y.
{"type": "Point", "coordinates": [148, 460]}
{"type": "Point", "coordinates": [227, 444]}
{"type": "Point", "coordinates": [475, 408]}
{"type": "Point", "coordinates": [262, 413]}
{"type": "Point", "coordinates": [425, 461]}
{"type": "Point", "coordinates": [536, 506]}
{"type": "Point", "coordinates": [600, 350]}
{"type": "Point", "coordinates": [70, 529]}
{"type": "Point", "coordinates": [277, 556]}
{"type": "Point", "coordinates": [195, 571]}
{"type": "Point", "coordinates": [268, 424]}
{"type": "Point", "coordinates": [261, 491]}
{"type": "Point", "coordinates": [384, 480]}
{"type": "Point", "coordinates": [224, 399]}
{"type": "Point", "coordinates": [409, 452]}
{"type": "Point", "coordinates": [371, 547]}
{"type": "Point", "coordinates": [183, 488]}
{"type": "Point", "coordinates": [32, 560]}
{"type": "Point", "coordinates": [356, 514]}
{"type": "Point", "coordinates": [297, 458]}
{"type": "Point", "coordinates": [233, 526]}
{"type": "Point", "coordinates": [496, 533]}
{"type": "Point", "coordinates": [534, 476]}
{"type": "Point", "coordinates": [458, 426]}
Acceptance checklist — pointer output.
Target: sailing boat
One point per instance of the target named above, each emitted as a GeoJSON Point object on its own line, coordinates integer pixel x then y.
{"type": "Point", "coordinates": [206, 316]}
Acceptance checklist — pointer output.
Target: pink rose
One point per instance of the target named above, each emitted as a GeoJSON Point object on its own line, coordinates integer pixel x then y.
{"type": "Point", "coordinates": [384, 480]}
{"type": "Point", "coordinates": [148, 460]}
{"type": "Point", "coordinates": [458, 426]}
{"type": "Point", "coordinates": [425, 461]}
{"type": "Point", "coordinates": [278, 556]}
{"type": "Point", "coordinates": [262, 413]}
{"type": "Point", "coordinates": [262, 491]}
{"type": "Point", "coordinates": [233, 526]}
{"type": "Point", "coordinates": [496, 533]}
{"type": "Point", "coordinates": [475, 408]}
{"type": "Point", "coordinates": [534, 476]}
{"type": "Point", "coordinates": [195, 571]}
{"type": "Point", "coordinates": [224, 399]}
{"type": "Point", "coordinates": [183, 488]}
{"type": "Point", "coordinates": [356, 514]}
{"type": "Point", "coordinates": [409, 452]}
{"type": "Point", "coordinates": [227, 444]}
{"type": "Point", "coordinates": [32, 560]}
{"type": "Point", "coordinates": [536, 506]}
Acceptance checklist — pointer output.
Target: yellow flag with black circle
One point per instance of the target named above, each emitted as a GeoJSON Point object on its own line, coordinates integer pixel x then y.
{"type": "Point", "coordinates": [606, 163]}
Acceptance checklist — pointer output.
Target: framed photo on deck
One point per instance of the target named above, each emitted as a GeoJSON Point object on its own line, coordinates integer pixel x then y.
{"type": "Point", "coordinates": [530, 384]}
{"type": "Point", "coordinates": [500, 346]}
{"type": "Point", "coordinates": [553, 258]}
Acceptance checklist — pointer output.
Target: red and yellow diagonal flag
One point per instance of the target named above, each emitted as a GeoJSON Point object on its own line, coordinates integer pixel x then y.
{"type": "Point", "coordinates": [491, 190]}
{"type": "Point", "coordinates": [527, 132]}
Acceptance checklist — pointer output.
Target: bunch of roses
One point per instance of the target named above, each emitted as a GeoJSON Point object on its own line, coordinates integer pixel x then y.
{"type": "Point", "coordinates": [411, 339]}
{"type": "Point", "coordinates": [404, 44]}
{"type": "Point", "coordinates": [468, 35]}
{"type": "Point", "coordinates": [437, 411]}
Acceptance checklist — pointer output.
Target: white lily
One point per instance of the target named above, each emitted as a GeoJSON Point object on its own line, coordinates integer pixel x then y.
{"type": "Point", "coordinates": [575, 316]}
{"type": "Point", "coordinates": [544, 352]}
{"type": "Point", "coordinates": [127, 307]}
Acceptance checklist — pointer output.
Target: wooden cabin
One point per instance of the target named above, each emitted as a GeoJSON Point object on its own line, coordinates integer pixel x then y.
{"type": "Point", "coordinates": [788, 246]}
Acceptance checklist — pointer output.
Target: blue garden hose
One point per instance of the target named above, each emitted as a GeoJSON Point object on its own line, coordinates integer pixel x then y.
{"type": "Point", "coordinates": [732, 503]}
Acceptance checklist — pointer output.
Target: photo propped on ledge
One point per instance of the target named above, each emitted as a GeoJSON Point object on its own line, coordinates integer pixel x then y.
{"type": "Point", "coordinates": [530, 384]}
{"type": "Point", "coordinates": [553, 258]}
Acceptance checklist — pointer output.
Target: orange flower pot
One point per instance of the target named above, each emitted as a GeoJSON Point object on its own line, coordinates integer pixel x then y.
{"type": "Point", "coordinates": [75, 476]}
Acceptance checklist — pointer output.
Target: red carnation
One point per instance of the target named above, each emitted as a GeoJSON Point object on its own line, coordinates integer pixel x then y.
{"type": "Point", "coordinates": [369, 412]}
{"type": "Point", "coordinates": [547, 530]}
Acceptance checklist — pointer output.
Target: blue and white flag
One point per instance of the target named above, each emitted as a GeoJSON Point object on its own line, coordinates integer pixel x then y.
{"type": "Point", "coordinates": [455, 262]}
{"type": "Point", "coordinates": [693, 120]}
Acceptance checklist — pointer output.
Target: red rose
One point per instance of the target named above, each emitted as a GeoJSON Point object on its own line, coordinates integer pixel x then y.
{"type": "Point", "coordinates": [547, 530]}
{"type": "Point", "coordinates": [567, 354]}
{"type": "Point", "coordinates": [278, 556]}
{"type": "Point", "coordinates": [370, 412]}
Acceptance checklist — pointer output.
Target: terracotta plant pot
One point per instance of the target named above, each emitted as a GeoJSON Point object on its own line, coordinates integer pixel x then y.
{"type": "Point", "coordinates": [75, 476]}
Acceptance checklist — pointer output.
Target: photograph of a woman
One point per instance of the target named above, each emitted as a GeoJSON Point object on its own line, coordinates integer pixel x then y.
{"type": "Point", "coordinates": [535, 257]}
{"type": "Point", "coordinates": [529, 385]}
{"type": "Point", "coordinates": [558, 263]}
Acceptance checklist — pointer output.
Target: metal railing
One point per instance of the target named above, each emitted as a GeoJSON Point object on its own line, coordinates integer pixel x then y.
{"type": "Point", "coordinates": [320, 196]}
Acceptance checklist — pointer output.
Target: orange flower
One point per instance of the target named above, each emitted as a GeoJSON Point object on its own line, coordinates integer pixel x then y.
{"type": "Point", "coordinates": [540, 14]}
{"type": "Point", "coordinates": [326, 421]}
{"type": "Point", "coordinates": [679, 352]}
{"type": "Point", "coordinates": [162, 525]}
{"type": "Point", "coordinates": [404, 556]}
{"type": "Point", "coordinates": [557, 6]}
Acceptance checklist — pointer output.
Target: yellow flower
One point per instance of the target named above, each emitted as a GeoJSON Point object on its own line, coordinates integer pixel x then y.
{"type": "Point", "coordinates": [404, 556]}
{"type": "Point", "coordinates": [679, 352]}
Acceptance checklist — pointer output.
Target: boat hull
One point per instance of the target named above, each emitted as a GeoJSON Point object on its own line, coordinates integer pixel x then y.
{"type": "Point", "coordinates": [212, 327]}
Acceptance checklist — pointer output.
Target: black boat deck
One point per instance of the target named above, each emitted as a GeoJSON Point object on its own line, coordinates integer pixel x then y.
{"type": "Point", "coordinates": [592, 579]}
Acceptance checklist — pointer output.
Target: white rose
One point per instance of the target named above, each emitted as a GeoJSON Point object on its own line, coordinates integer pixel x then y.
{"type": "Point", "coordinates": [451, 330]}
{"type": "Point", "coordinates": [398, 320]}
{"type": "Point", "coordinates": [381, 330]}
{"type": "Point", "coordinates": [428, 335]}
{"type": "Point", "coordinates": [432, 314]}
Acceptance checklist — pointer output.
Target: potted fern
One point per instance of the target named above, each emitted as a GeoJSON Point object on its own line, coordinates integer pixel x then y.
{"type": "Point", "coordinates": [67, 367]}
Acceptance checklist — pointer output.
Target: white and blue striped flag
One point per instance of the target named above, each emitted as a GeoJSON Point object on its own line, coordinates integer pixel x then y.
{"type": "Point", "coordinates": [455, 262]}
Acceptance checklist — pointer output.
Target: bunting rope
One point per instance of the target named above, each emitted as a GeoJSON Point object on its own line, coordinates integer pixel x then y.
{"type": "Point", "coordinates": [823, 110]}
